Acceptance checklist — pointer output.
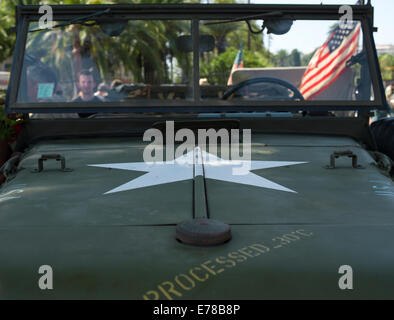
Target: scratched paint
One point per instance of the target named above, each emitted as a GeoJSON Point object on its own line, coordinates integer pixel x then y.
{"type": "Point", "coordinates": [11, 194]}
{"type": "Point", "coordinates": [382, 188]}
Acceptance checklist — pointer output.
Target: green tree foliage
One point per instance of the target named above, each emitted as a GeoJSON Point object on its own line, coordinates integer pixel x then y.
{"type": "Point", "coordinates": [220, 31]}
{"type": "Point", "coordinates": [285, 59]}
{"type": "Point", "coordinates": [145, 60]}
{"type": "Point", "coordinates": [7, 16]}
{"type": "Point", "coordinates": [217, 71]}
{"type": "Point", "coordinates": [216, 66]}
{"type": "Point", "coordinates": [386, 62]}
{"type": "Point", "coordinates": [7, 122]}
{"type": "Point", "coordinates": [295, 58]}
{"type": "Point", "coordinates": [282, 58]}
{"type": "Point", "coordinates": [7, 21]}
{"type": "Point", "coordinates": [7, 125]}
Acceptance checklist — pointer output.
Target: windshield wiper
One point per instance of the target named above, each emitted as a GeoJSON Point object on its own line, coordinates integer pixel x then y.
{"type": "Point", "coordinates": [79, 20]}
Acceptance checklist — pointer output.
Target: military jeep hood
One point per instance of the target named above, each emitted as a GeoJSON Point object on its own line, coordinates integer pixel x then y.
{"type": "Point", "coordinates": [311, 193]}
{"type": "Point", "coordinates": [122, 245]}
{"type": "Point", "coordinates": [106, 228]}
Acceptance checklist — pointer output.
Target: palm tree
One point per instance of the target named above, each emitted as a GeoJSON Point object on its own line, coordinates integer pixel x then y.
{"type": "Point", "coordinates": [144, 60]}
{"type": "Point", "coordinates": [7, 21]}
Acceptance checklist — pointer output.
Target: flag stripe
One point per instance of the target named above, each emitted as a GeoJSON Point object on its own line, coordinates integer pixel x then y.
{"type": "Point", "coordinates": [318, 54]}
{"type": "Point", "coordinates": [329, 61]}
{"type": "Point", "coordinates": [327, 85]}
{"type": "Point", "coordinates": [320, 89]}
{"type": "Point", "coordinates": [340, 52]}
{"type": "Point", "coordinates": [238, 64]}
{"type": "Point", "coordinates": [341, 64]}
{"type": "Point", "coordinates": [333, 68]}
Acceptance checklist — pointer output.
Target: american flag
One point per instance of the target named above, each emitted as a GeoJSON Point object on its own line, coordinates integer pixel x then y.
{"type": "Point", "coordinates": [329, 61]}
{"type": "Point", "coordinates": [238, 64]}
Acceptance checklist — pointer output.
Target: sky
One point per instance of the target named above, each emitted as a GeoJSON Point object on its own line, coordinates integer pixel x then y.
{"type": "Point", "coordinates": [384, 20]}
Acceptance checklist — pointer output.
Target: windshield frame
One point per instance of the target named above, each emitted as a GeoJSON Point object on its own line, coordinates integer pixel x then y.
{"type": "Point", "coordinates": [195, 13]}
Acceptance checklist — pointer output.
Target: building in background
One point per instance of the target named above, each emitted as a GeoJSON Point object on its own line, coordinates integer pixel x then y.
{"type": "Point", "coordinates": [385, 48]}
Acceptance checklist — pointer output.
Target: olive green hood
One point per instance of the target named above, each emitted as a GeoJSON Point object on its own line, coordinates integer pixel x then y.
{"type": "Point", "coordinates": [122, 244]}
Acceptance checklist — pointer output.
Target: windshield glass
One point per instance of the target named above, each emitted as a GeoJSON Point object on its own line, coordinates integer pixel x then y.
{"type": "Point", "coordinates": [78, 63]}
{"type": "Point", "coordinates": [285, 66]}
{"type": "Point", "coordinates": [151, 63]}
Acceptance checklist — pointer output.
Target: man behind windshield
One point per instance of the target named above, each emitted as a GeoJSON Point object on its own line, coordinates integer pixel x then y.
{"type": "Point", "coordinates": [86, 84]}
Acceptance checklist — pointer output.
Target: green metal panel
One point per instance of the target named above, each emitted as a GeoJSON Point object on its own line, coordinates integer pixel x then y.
{"type": "Point", "coordinates": [119, 246]}
{"type": "Point", "coordinates": [342, 195]}
{"type": "Point", "coordinates": [56, 198]}
{"type": "Point", "coordinates": [112, 262]}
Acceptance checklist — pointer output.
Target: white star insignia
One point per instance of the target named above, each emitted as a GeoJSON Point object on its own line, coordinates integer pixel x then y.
{"type": "Point", "coordinates": [185, 167]}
